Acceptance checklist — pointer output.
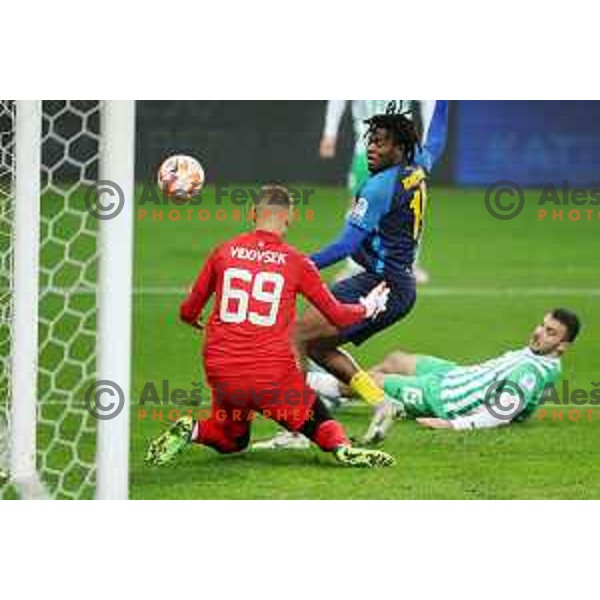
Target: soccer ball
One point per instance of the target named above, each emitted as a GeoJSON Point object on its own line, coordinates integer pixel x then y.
{"type": "Point", "coordinates": [181, 177]}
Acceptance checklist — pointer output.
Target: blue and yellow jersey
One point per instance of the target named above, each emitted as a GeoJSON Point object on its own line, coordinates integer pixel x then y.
{"type": "Point", "coordinates": [389, 208]}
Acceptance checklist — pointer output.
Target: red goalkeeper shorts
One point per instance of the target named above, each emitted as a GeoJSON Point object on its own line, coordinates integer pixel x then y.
{"type": "Point", "coordinates": [288, 401]}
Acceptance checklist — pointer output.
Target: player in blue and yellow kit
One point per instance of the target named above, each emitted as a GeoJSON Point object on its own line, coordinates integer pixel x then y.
{"type": "Point", "coordinates": [381, 234]}
{"type": "Point", "coordinates": [430, 118]}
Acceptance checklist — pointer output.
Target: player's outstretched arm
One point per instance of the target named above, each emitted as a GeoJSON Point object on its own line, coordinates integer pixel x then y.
{"type": "Point", "coordinates": [340, 315]}
{"type": "Point", "coordinates": [191, 308]}
{"type": "Point", "coordinates": [481, 419]}
{"type": "Point", "coordinates": [515, 400]}
{"type": "Point", "coordinates": [333, 117]}
{"type": "Point", "coordinates": [434, 118]}
{"type": "Point", "coordinates": [434, 423]}
{"type": "Point", "coordinates": [347, 243]}
{"type": "Point", "coordinates": [313, 288]}
{"type": "Point", "coordinates": [364, 217]}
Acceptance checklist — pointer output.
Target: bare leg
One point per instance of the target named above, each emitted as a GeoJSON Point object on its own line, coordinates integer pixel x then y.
{"type": "Point", "coordinates": [319, 340]}
{"type": "Point", "coordinates": [326, 354]}
{"type": "Point", "coordinates": [396, 363]}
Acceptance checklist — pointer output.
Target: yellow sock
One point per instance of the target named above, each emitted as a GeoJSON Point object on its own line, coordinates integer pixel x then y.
{"type": "Point", "coordinates": [364, 386]}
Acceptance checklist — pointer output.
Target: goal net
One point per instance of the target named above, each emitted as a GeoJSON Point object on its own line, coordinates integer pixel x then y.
{"type": "Point", "coordinates": [56, 257]}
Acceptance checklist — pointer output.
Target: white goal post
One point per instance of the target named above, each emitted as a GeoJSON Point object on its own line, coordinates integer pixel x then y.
{"type": "Point", "coordinates": [117, 162]}
{"type": "Point", "coordinates": [23, 376]}
{"type": "Point", "coordinates": [67, 308]}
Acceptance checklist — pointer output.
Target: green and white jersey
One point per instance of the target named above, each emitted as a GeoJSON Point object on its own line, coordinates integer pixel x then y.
{"type": "Point", "coordinates": [361, 110]}
{"type": "Point", "coordinates": [365, 109]}
{"type": "Point", "coordinates": [510, 386]}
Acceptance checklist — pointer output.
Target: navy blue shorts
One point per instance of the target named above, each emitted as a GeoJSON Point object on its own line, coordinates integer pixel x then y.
{"type": "Point", "coordinates": [400, 302]}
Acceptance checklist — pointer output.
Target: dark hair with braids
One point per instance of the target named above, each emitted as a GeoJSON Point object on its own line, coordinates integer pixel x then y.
{"type": "Point", "coordinates": [402, 130]}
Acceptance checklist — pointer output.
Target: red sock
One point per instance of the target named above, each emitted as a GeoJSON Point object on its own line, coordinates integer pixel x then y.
{"type": "Point", "coordinates": [211, 433]}
{"type": "Point", "coordinates": [330, 435]}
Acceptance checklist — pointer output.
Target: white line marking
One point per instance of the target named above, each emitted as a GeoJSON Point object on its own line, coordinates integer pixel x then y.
{"type": "Point", "coordinates": [428, 291]}
{"type": "Point", "coordinates": [542, 291]}
{"type": "Point", "coordinates": [422, 291]}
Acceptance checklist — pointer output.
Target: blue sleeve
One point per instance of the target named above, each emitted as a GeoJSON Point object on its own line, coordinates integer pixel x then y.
{"type": "Point", "coordinates": [435, 142]}
{"type": "Point", "coordinates": [348, 242]}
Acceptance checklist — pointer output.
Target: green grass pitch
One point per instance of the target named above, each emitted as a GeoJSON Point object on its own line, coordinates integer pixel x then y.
{"type": "Point", "coordinates": [491, 282]}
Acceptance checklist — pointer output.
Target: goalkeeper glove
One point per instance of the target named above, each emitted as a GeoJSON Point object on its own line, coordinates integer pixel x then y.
{"type": "Point", "coordinates": [375, 302]}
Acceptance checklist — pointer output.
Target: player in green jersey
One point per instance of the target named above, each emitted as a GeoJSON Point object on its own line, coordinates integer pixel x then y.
{"type": "Point", "coordinates": [439, 393]}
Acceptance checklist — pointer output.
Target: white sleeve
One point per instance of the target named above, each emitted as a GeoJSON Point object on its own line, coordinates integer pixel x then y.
{"type": "Point", "coordinates": [482, 419]}
{"type": "Point", "coordinates": [333, 117]}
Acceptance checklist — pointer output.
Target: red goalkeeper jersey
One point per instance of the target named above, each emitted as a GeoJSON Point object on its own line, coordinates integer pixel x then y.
{"type": "Point", "coordinates": [255, 278]}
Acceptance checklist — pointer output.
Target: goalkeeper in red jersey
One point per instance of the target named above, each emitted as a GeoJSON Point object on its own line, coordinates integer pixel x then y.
{"type": "Point", "coordinates": [250, 362]}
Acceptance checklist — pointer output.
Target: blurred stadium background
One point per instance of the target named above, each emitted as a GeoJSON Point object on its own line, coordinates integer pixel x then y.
{"type": "Point", "coordinates": [532, 141]}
